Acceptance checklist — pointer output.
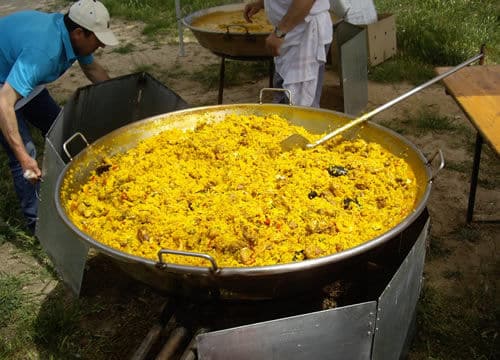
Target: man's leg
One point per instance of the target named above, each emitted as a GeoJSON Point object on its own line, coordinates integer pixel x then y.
{"type": "Point", "coordinates": [319, 86]}
{"type": "Point", "coordinates": [279, 97]}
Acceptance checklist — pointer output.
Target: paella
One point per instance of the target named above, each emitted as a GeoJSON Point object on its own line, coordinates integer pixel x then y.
{"type": "Point", "coordinates": [233, 21]}
{"type": "Point", "coordinates": [225, 188]}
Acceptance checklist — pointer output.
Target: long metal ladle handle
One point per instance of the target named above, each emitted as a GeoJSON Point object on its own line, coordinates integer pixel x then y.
{"type": "Point", "coordinates": [392, 102]}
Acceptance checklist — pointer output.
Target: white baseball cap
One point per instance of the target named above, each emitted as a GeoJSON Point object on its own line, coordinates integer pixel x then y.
{"type": "Point", "coordinates": [93, 16]}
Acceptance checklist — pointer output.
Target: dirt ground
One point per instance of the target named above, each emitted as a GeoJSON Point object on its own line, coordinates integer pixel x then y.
{"type": "Point", "coordinates": [447, 203]}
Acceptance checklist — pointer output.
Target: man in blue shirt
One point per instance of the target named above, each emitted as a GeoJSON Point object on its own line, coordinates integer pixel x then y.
{"type": "Point", "coordinates": [36, 48]}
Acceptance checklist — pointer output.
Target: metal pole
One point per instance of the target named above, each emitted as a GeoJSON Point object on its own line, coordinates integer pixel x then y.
{"type": "Point", "coordinates": [381, 108]}
{"type": "Point", "coordinates": [180, 28]}
{"type": "Point", "coordinates": [222, 72]}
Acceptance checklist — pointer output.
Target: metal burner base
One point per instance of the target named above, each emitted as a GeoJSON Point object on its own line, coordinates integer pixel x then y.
{"type": "Point", "coordinates": [372, 317]}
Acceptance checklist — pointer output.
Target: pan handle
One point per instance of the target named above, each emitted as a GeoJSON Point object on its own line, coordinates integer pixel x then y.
{"type": "Point", "coordinates": [441, 163]}
{"type": "Point", "coordinates": [236, 25]}
{"type": "Point", "coordinates": [163, 264]}
{"type": "Point", "coordinates": [288, 93]}
{"type": "Point", "coordinates": [65, 144]}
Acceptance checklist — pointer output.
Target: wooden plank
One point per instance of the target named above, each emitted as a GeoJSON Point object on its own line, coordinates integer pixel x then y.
{"type": "Point", "coordinates": [476, 89]}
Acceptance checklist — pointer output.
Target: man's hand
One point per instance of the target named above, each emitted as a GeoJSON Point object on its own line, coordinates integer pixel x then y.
{"type": "Point", "coordinates": [273, 44]}
{"type": "Point", "coordinates": [252, 9]}
{"type": "Point", "coordinates": [31, 171]}
{"type": "Point", "coordinates": [95, 72]}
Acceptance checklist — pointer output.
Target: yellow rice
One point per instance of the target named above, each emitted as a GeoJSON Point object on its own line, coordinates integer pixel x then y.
{"type": "Point", "coordinates": [227, 190]}
{"type": "Point", "coordinates": [233, 22]}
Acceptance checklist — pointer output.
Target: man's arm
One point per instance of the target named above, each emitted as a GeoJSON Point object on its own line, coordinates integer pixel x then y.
{"type": "Point", "coordinates": [297, 12]}
{"type": "Point", "coordinates": [94, 72]}
{"type": "Point", "coordinates": [10, 131]}
{"type": "Point", "coordinates": [252, 8]}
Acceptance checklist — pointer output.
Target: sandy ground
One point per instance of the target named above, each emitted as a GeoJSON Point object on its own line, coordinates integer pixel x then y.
{"type": "Point", "coordinates": [448, 200]}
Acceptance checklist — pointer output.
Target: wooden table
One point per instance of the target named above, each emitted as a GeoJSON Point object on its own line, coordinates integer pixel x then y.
{"type": "Point", "coordinates": [476, 89]}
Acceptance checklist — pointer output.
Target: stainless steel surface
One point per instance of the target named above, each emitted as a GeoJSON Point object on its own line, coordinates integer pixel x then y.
{"type": "Point", "coordinates": [378, 329]}
{"type": "Point", "coordinates": [207, 257]}
{"type": "Point", "coordinates": [288, 144]}
{"type": "Point", "coordinates": [343, 333]}
{"type": "Point", "coordinates": [67, 142]}
{"type": "Point", "coordinates": [229, 42]}
{"type": "Point", "coordinates": [67, 253]}
{"type": "Point", "coordinates": [353, 71]}
{"type": "Point", "coordinates": [251, 282]}
{"type": "Point", "coordinates": [95, 110]}
{"type": "Point", "coordinates": [397, 304]}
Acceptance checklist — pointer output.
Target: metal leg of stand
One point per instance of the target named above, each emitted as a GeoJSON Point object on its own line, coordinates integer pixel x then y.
{"type": "Point", "coordinates": [271, 73]}
{"type": "Point", "coordinates": [221, 79]}
{"type": "Point", "coordinates": [474, 177]}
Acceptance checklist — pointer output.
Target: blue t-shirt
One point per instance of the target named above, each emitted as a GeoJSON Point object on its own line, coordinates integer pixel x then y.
{"type": "Point", "coordinates": [35, 49]}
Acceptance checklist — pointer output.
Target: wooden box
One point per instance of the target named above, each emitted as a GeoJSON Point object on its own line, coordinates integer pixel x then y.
{"type": "Point", "coordinates": [381, 39]}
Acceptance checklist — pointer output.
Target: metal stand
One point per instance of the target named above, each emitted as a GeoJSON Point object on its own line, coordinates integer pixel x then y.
{"type": "Point", "coordinates": [180, 28]}
{"type": "Point", "coordinates": [222, 70]}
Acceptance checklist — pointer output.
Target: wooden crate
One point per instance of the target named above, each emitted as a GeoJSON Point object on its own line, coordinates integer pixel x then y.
{"type": "Point", "coordinates": [381, 39]}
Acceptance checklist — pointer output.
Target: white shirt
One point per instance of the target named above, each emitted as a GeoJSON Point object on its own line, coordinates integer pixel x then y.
{"type": "Point", "coordinates": [303, 49]}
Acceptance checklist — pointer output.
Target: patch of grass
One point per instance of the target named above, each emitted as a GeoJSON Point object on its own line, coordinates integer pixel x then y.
{"type": "Point", "coordinates": [55, 326]}
{"type": "Point", "coordinates": [10, 297]}
{"type": "Point", "coordinates": [426, 40]}
{"type": "Point", "coordinates": [174, 72]}
{"type": "Point", "coordinates": [437, 248]}
{"type": "Point", "coordinates": [402, 68]}
{"type": "Point", "coordinates": [124, 49]}
{"type": "Point", "coordinates": [144, 68]}
{"type": "Point", "coordinates": [432, 120]}
{"type": "Point", "coordinates": [440, 32]}
{"type": "Point", "coordinates": [394, 125]}
{"type": "Point", "coordinates": [236, 73]}
{"type": "Point", "coordinates": [452, 274]}
{"type": "Point", "coordinates": [468, 233]}
{"type": "Point", "coordinates": [17, 312]}
{"type": "Point", "coordinates": [463, 167]}
{"type": "Point", "coordinates": [451, 327]}
{"type": "Point", "coordinates": [423, 120]}
{"type": "Point", "coordinates": [489, 168]}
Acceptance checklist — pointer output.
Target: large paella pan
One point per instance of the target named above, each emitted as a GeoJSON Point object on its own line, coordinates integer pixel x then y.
{"type": "Point", "coordinates": [253, 281]}
{"type": "Point", "coordinates": [224, 31]}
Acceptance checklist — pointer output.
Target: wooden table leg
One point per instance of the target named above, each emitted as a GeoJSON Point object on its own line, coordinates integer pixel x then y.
{"type": "Point", "coordinates": [474, 177]}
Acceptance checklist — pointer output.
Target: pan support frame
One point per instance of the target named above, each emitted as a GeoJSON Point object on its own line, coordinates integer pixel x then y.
{"type": "Point", "coordinates": [222, 70]}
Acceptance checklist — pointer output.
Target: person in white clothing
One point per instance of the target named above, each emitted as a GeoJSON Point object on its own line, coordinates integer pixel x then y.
{"type": "Point", "coordinates": [299, 43]}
